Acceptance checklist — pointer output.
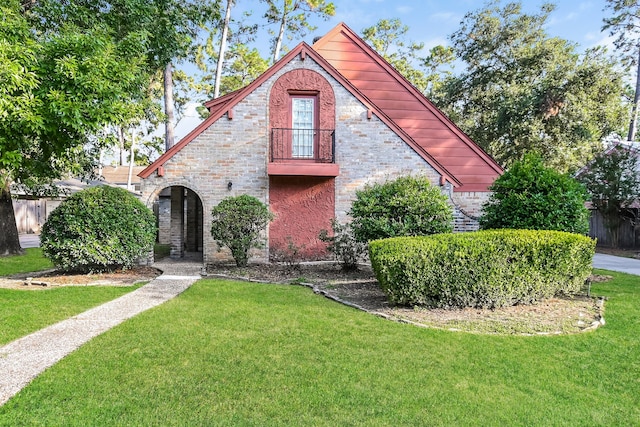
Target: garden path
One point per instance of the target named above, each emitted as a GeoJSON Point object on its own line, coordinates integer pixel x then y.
{"type": "Point", "coordinates": [25, 358]}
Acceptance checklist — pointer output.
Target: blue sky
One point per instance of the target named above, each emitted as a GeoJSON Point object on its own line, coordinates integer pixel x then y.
{"type": "Point", "coordinates": [432, 21]}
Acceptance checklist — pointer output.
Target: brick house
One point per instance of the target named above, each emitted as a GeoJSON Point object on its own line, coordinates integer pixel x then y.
{"type": "Point", "coordinates": [318, 125]}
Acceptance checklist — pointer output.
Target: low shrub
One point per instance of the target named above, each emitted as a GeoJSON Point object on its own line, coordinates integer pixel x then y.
{"type": "Point", "coordinates": [289, 254]}
{"type": "Point", "coordinates": [484, 269]}
{"type": "Point", "coordinates": [237, 223]}
{"type": "Point", "coordinates": [343, 245]}
{"type": "Point", "coordinates": [406, 206]}
{"type": "Point", "coordinates": [98, 229]}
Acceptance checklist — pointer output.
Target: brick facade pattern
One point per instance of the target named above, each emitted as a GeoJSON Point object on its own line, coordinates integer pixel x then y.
{"type": "Point", "coordinates": [236, 151]}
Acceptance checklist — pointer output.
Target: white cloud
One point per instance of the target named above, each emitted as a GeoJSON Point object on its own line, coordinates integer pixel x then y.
{"type": "Point", "coordinates": [446, 17]}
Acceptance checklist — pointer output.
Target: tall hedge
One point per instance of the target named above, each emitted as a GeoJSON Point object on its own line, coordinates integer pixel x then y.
{"type": "Point", "coordinates": [488, 269]}
{"type": "Point", "coordinates": [532, 196]}
{"type": "Point", "coordinates": [406, 206]}
{"type": "Point", "coordinates": [98, 229]}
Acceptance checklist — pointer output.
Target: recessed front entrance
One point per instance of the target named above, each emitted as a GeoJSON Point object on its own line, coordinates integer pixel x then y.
{"type": "Point", "coordinates": [180, 221]}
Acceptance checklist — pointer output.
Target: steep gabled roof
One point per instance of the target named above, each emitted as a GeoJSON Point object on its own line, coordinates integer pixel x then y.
{"type": "Point", "coordinates": [408, 109]}
{"type": "Point", "coordinates": [223, 105]}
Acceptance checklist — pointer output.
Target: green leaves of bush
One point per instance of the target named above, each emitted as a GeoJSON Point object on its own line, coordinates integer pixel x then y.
{"type": "Point", "coordinates": [237, 223]}
{"type": "Point", "coordinates": [531, 196]}
{"type": "Point", "coordinates": [343, 244]}
{"type": "Point", "coordinates": [485, 269]}
{"type": "Point", "coordinates": [98, 229]}
{"type": "Point", "coordinates": [407, 206]}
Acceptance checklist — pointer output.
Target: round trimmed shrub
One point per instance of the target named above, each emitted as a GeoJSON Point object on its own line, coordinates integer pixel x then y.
{"type": "Point", "coordinates": [532, 196]}
{"type": "Point", "coordinates": [484, 269]}
{"type": "Point", "coordinates": [237, 223]}
{"type": "Point", "coordinates": [406, 206]}
{"type": "Point", "coordinates": [98, 229]}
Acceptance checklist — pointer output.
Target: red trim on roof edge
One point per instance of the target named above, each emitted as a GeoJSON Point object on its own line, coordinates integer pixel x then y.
{"type": "Point", "coordinates": [349, 33]}
{"type": "Point", "coordinates": [226, 102]}
{"type": "Point", "coordinates": [218, 100]}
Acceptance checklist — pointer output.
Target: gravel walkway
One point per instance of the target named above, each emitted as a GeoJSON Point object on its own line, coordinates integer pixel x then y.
{"type": "Point", "coordinates": [25, 358]}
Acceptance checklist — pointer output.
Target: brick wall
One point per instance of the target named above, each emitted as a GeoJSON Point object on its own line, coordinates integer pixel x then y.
{"type": "Point", "coordinates": [467, 209]}
{"type": "Point", "coordinates": [164, 220]}
{"type": "Point", "coordinates": [236, 151]}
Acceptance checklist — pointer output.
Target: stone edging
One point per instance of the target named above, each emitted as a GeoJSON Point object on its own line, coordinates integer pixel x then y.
{"type": "Point", "coordinates": [317, 290]}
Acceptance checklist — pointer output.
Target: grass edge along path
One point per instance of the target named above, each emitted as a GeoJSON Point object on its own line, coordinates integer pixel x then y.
{"type": "Point", "coordinates": [234, 353]}
{"type": "Point", "coordinates": [23, 312]}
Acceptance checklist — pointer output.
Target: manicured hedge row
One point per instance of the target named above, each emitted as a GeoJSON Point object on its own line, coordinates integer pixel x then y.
{"type": "Point", "coordinates": [493, 268]}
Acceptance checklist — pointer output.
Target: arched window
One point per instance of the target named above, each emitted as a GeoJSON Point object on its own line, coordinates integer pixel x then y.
{"type": "Point", "coordinates": [302, 118]}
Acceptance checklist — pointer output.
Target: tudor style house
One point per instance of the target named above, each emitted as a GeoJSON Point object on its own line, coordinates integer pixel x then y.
{"type": "Point", "coordinates": [321, 123]}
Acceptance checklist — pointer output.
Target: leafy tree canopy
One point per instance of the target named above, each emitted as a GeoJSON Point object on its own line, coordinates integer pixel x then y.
{"type": "Point", "coordinates": [625, 25]}
{"type": "Point", "coordinates": [59, 88]}
{"type": "Point", "coordinates": [292, 19]}
{"type": "Point", "coordinates": [532, 196]}
{"type": "Point", "coordinates": [523, 91]}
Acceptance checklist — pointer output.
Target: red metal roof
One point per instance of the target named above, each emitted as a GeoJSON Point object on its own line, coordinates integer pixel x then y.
{"type": "Point", "coordinates": [222, 105]}
{"type": "Point", "coordinates": [408, 109]}
{"type": "Point", "coordinates": [389, 96]}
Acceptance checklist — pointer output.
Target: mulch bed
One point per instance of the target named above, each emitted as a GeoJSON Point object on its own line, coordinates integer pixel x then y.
{"type": "Point", "coordinates": [361, 290]}
{"type": "Point", "coordinates": [53, 278]}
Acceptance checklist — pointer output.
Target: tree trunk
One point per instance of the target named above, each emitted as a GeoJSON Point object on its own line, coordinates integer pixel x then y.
{"type": "Point", "coordinates": [283, 24]}
{"type": "Point", "coordinates": [121, 143]}
{"type": "Point", "coordinates": [634, 110]}
{"type": "Point", "coordinates": [9, 239]}
{"type": "Point", "coordinates": [131, 161]}
{"type": "Point", "coordinates": [169, 139]}
{"type": "Point", "coordinates": [223, 47]}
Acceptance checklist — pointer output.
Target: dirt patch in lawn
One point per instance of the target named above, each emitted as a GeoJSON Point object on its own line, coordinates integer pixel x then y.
{"type": "Point", "coordinates": [360, 289]}
{"type": "Point", "coordinates": [52, 279]}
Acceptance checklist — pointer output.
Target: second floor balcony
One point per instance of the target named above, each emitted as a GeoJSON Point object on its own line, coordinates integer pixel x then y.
{"type": "Point", "coordinates": [309, 152]}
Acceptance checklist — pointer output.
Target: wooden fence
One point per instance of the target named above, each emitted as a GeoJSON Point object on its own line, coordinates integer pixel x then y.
{"type": "Point", "coordinates": [629, 236]}
{"type": "Point", "coordinates": [31, 214]}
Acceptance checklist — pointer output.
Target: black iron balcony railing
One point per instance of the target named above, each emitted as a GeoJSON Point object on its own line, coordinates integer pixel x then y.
{"type": "Point", "coordinates": [313, 145]}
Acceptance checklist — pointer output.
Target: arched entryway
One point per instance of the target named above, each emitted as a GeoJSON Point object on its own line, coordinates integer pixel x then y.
{"type": "Point", "coordinates": [179, 213]}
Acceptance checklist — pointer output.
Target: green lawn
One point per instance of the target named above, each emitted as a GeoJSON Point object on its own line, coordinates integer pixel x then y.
{"type": "Point", "coordinates": [25, 311]}
{"type": "Point", "coordinates": [32, 260]}
{"type": "Point", "coordinates": [233, 353]}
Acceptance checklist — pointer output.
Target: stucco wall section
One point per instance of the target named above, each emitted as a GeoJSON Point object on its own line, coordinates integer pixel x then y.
{"type": "Point", "coordinates": [303, 206]}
